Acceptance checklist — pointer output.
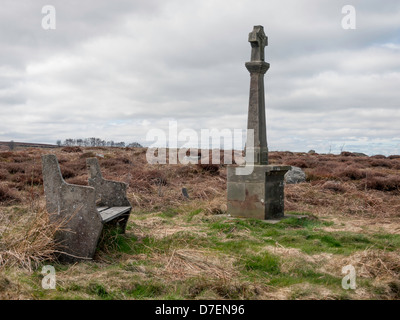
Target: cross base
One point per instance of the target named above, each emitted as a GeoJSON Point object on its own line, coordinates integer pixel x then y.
{"type": "Point", "coordinates": [259, 195]}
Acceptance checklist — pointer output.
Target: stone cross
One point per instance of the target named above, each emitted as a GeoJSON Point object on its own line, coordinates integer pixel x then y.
{"type": "Point", "coordinates": [260, 193]}
{"type": "Point", "coordinates": [256, 114]}
{"type": "Point", "coordinates": [258, 42]}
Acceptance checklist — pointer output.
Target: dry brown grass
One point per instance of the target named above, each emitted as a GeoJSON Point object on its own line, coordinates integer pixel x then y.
{"type": "Point", "coordinates": [354, 190]}
{"type": "Point", "coordinates": [338, 184]}
{"type": "Point", "coordinates": [71, 149]}
{"type": "Point", "coordinates": [8, 194]}
{"type": "Point", "coordinates": [369, 263]}
{"type": "Point", "coordinates": [321, 200]}
{"type": "Point", "coordinates": [186, 263]}
{"type": "Point", "coordinates": [26, 239]}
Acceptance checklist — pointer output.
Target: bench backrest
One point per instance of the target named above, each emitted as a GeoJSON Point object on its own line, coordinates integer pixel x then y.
{"type": "Point", "coordinates": [52, 182]}
{"type": "Point", "coordinates": [109, 193]}
{"type": "Point", "coordinates": [73, 208]}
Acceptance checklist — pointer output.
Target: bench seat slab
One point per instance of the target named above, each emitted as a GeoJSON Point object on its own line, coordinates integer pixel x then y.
{"type": "Point", "coordinates": [108, 214]}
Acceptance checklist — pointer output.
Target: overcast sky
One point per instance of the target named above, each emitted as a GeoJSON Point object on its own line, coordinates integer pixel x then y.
{"type": "Point", "coordinates": [116, 69]}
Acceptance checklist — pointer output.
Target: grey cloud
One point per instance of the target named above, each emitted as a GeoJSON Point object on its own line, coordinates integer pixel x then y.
{"type": "Point", "coordinates": [115, 69]}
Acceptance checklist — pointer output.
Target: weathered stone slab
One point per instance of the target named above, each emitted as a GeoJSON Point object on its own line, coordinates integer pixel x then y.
{"type": "Point", "coordinates": [236, 191]}
{"type": "Point", "coordinates": [258, 174]}
{"type": "Point", "coordinates": [112, 213]}
{"type": "Point", "coordinates": [259, 195]}
{"type": "Point", "coordinates": [109, 193]}
{"type": "Point", "coordinates": [74, 207]}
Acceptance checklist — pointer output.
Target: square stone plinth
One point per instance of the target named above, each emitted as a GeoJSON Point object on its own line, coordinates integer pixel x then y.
{"type": "Point", "coordinates": [258, 195]}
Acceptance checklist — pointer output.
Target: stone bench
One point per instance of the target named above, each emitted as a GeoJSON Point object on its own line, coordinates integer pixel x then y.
{"type": "Point", "coordinates": [83, 211]}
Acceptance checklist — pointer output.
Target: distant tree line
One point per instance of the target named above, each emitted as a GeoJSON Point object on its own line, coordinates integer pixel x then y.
{"type": "Point", "coordinates": [95, 142]}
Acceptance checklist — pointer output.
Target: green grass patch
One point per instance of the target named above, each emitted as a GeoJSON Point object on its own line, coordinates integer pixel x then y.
{"type": "Point", "coordinates": [145, 290]}
{"type": "Point", "coordinates": [192, 214]}
{"type": "Point", "coordinates": [98, 290]}
{"type": "Point", "coordinates": [264, 262]}
{"type": "Point", "coordinates": [113, 241]}
{"type": "Point", "coordinates": [169, 213]}
{"type": "Point", "coordinates": [304, 234]}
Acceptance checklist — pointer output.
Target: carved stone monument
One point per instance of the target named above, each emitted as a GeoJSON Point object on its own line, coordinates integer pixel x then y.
{"type": "Point", "coordinates": [256, 193]}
